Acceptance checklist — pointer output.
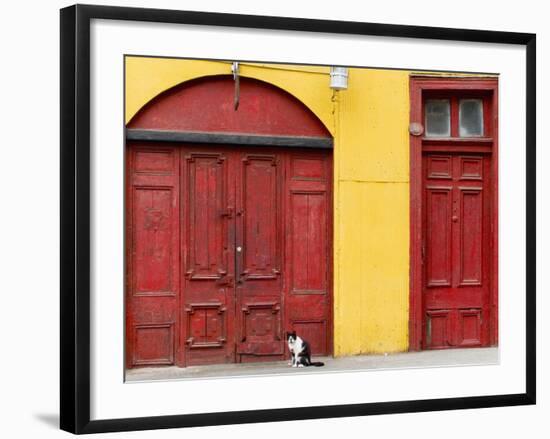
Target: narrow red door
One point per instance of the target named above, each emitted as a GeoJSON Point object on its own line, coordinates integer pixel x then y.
{"type": "Point", "coordinates": [456, 250]}
{"type": "Point", "coordinates": [208, 248]}
{"type": "Point", "coordinates": [153, 276]}
{"type": "Point", "coordinates": [259, 250]}
{"type": "Point", "coordinates": [308, 231]}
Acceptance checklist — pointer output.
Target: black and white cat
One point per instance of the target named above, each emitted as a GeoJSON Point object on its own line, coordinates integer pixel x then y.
{"type": "Point", "coordinates": [300, 352]}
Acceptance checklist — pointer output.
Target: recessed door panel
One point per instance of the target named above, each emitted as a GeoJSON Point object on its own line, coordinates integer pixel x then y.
{"type": "Point", "coordinates": [471, 235]}
{"type": "Point", "coordinates": [206, 246]}
{"type": "Point", "coordinates": [152, 237]}
{"type": "Point", "coordinates": [260, 209]}
{"type": "Point", "coordinates": [438, 234]}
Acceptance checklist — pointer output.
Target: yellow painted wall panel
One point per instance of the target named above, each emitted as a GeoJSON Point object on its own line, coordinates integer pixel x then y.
{"type": "Point", "coordinates": [347, 287]}
{"type": "Point", "coordinates": [374, 119]}
{"type": "Point", "coordinates": [147, 77]}
{"type": "Point", "coordinates": [373, 290]}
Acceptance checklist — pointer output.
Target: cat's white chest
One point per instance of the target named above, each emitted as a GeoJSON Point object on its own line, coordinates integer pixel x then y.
{"type": "Point", "coordinates": [296, 348]}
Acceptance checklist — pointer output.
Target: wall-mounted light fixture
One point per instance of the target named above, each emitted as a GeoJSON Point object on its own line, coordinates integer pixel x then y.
{"type": "Point", "coordinates": [235, 71]}
{"type": "Point", "coordinates": [339, 78]}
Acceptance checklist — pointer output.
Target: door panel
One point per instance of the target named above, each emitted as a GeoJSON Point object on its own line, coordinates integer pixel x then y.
{"type": "Point", "coordinates": [471, 229]}
{"type": "Point", "coordinates": [439, 235]}
{"type": "Point", "coordinates": [206, 255]}
{"type": "Point", "coordinates": [207, 249]}
{"type": "Point", "coordinates": [259, 209]}
{"type": "Point", "coordinates": [456, 239]}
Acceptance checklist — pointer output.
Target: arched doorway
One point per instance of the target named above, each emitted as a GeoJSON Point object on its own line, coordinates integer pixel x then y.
{"type": "Point", "coordinates": [229, 226]}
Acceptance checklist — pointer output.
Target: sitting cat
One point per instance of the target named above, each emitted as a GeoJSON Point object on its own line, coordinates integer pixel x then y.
{"type": "Point", "coordinates": [300, 352]}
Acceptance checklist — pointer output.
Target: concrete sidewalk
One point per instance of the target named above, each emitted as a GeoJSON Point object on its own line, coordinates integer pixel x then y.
{"type": "Point", "coordinates": [450, 357]}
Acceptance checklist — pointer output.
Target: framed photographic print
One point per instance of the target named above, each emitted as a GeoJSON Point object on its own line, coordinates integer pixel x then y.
{"type": "Point", "coordinates": [253, 203]}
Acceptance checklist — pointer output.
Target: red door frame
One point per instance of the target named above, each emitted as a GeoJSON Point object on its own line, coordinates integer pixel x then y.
{"type": "Point", "coordinates": [419, 86]}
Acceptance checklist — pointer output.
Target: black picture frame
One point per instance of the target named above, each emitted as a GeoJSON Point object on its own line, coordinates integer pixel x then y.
{"type": "Point", "coordinates": [75, 217]}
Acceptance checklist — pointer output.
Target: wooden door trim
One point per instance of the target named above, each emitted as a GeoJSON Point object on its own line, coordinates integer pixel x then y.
{"type": "Point", "coordinates": [240, 139]}
{"type": "Point", "coordinates": [415, 246]}
{"type": "Point", "coordinates": [418, 85]}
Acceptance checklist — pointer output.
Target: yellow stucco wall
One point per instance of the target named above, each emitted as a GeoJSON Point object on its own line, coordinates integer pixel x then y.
{"type": "Point", "coordinates": [371, 260]}
{"type": "Point", "coordinates": [371, 184]}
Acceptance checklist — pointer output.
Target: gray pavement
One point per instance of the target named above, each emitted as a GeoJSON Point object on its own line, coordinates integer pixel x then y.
{"type": "Point", "coordinates": [436, 358]}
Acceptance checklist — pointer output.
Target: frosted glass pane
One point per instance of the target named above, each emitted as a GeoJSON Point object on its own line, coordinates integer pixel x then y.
{"type": "Point", "coordinates": [438, 118]}
{"type": "Point", "coordinates": [470, 116]}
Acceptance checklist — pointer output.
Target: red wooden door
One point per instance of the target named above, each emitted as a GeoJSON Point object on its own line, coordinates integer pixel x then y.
{"type": "Point", "coordinates": [308, 231]}
{"type": "Point", "coordinates": [152, 243]}
{"type": "Point", "coordinates": [207, 248]}
{"type": "Point", "coordinates": [456, 249]}
{"type": "Point", "coordinates": [228, 248]}
{"type": "Point", "coordinates": [259, 233]}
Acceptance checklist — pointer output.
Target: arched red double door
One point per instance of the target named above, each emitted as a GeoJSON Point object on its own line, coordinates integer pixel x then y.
{"type": "Point", "coordinates": [229, 226]}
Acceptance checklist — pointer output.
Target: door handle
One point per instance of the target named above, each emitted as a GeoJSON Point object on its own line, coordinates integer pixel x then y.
{"type": "Point", "coordinates": [226, 281]}
{"type": "Point", "coordinates": [227, 212]}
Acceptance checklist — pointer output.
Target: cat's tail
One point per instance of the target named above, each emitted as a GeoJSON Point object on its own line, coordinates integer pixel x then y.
{"type": "Point", "coordinates": [317, 363]}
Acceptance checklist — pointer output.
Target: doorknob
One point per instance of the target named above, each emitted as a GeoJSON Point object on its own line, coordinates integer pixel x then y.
{"type": "Point", "coordinates": [239, 249]}
{"type": "Point", "coordinates": [225, 281]}
{"type": "Point", "coordinates": [228, 212]}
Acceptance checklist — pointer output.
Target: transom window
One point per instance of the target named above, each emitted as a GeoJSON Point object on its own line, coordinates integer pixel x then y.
{"type": "Point", "coordinates": [470, 117]}
{"type": "Point", "coordinates": [455, 116]}
{"type": "Point", "coordinates": [438, 118]}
